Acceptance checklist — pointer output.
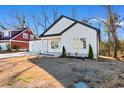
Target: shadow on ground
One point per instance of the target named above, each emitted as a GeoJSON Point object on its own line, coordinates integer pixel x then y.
{"type": "Point", "coordinates": [58, 69]}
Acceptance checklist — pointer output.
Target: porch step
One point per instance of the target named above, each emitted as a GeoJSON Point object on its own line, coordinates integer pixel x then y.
{"type": "Point", "coordinates": [51, 54]}
{"type": "Point", "coordinates": [46, 54]}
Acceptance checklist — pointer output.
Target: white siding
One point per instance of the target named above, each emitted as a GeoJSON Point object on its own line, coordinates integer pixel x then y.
{"type": "Point", "coordinates": [66, 39]}
{"type": "Point", "coordinates": [60, 26]}
{"type": "Point", "coordinates": [3, 46]}
{"type": "Point", "coordinates": [35, 46]}
{"type": "Point", "coordinates": [80, 31]}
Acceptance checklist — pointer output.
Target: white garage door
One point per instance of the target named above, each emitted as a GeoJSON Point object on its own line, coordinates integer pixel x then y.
{"type": "Point", "coordinates": [35, 46]}
{"type": "Point", "coordinates": [3, 46]}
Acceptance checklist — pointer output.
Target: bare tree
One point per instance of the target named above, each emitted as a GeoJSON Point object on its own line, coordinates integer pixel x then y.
{"type": "Point", "coordinates": [35, 23]}
{"type": "Point", "coordinates": [21, 20]}
{"type": "Point", "coordinates": [114, 23]}
{"type": "Point", "coordinates": [18, 20]}
{"type": "Point", "coordinates": [55, 13]}
{"type": "Point", "coordinates": [73, 13]}
{"type": "Point", "coordinates": [85, 20]}
{"type": "Point", "coordinates": [2, 26]}
{"type": "Point", "coordinates": [44, 18]}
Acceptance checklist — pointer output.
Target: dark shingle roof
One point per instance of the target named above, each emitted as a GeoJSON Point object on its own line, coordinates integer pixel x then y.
{"type": "Point", "coordinates": [16, 32]}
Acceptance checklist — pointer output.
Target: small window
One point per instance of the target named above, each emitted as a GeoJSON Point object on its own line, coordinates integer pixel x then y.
{"type": "Point", "coordinates": [79, 43]}
{"type": "Point", "coordinates": [25, 35]}
{"type": "Point", "coordinates": [55, 44]}
{"type": "Point", "coordinates": [31, 37]}
{"type": "Point", "coordinates": [6, 33]}
{"type": "Point", "coordinates": [84, 42]}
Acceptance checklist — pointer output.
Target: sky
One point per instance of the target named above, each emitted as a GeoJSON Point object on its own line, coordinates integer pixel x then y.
{"type": "Point", "coordinates": [82, 11]}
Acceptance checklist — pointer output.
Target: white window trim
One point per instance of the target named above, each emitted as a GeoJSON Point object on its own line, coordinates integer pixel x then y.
{"type": "Point", "coordinates": [25, 36]}
{"type": "Point", "coordinates": [31, 37]}
{"type": "Point", "coordinates": [55, 41]}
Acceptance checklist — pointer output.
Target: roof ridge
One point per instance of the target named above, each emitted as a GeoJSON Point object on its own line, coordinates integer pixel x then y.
{"type": "Point", "coordinates": [51, 25]}
{"type": "Point", "coordinates": [75, 21]}
{"type": "Point", "coordinates": [68, 27]}
{"type": "Point", "coordinates": [57, 34]}
{"type": "Point", "coordinates": [80, 22]}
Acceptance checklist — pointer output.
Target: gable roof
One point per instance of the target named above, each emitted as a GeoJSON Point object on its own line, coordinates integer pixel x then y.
{"type": "Point", "coordinates": [75, 22]}
{"type": "Point", "coordinates": [24, 31]}
{"type": "Point", "coordinates": [15, 34]}
{"type": "Point", "coordinates": [18, 32]}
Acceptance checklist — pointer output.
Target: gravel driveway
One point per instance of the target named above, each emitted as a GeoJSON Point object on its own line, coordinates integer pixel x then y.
{"type": "Point", "coordinates": [94, 73]}
{"type": "Point", "coordinates": [49, 72]}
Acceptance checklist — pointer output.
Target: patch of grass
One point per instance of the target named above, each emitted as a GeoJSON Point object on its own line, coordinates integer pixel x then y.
{"type": "Point", "coordinates": [21, 79]}
{"type": "Point", "coordinates": [24, 79]}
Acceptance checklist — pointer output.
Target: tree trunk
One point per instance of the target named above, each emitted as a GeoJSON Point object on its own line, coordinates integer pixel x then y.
{"type": "Point", "coordinates": [114, 44]}
{"type": "Point", "coordinates": [109, 45]}
{"type": "Point", "coordinates": [112, 30]}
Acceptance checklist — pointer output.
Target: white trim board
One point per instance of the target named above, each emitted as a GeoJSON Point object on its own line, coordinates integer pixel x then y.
{"type": "Point", "coordinates": [20, 41]}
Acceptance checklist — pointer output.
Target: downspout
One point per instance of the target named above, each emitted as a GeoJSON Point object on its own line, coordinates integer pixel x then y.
{"type": "Point", "coordinates": [98, 44]}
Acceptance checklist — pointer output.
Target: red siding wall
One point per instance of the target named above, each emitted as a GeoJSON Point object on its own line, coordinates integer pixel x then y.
{"type": "Point", "coordinates": [20, 37]}
{"type": "Point", "coordinates": [22, 45]}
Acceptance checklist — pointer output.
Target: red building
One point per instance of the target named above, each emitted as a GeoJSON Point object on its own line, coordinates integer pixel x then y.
{"type": "Point", "coordinates": [19, 38]}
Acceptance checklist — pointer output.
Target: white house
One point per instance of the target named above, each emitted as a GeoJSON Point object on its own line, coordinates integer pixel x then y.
{"type": "Point", "coordinates": [74, 35]}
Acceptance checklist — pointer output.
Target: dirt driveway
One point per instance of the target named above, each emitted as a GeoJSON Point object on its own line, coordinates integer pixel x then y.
{"type": "Point", "coordinates": [20, 72]}
{"type": "Point", "coordinates": [31, 71]}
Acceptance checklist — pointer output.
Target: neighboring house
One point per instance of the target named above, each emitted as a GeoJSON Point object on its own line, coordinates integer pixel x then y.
{"type": "Point", "coordinates": [16, 37]}
{"type": "Point", "coordinates": [74, 35]}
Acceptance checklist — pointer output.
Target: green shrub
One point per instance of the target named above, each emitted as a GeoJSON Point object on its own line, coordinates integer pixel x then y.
{"type": "Point", "coordinates": [76, 54]}
{"type": "Point", "coordinates": [90, 55]}
{"type": "Point", "coordinates": [8, 47]}
{"type": "Point", "coordinates": [63, 52]}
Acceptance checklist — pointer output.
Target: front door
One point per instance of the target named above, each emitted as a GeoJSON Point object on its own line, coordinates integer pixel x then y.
{"type": "Point", "coordinates": [45, 46]}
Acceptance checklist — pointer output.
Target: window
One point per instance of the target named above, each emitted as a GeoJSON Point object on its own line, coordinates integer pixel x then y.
{"type": "Point", "coordinates": [6, 33]}
{"type": "Point", "coordinates": [31, 37]}
{"type": "Point", "coordinates": [25, 35]}
{"type": "Point", "coordinates": [84, 42]}
{"type": "Point", "coordinates": [79, 43]}
{"type": "Point", "coordinates": [55, 44]}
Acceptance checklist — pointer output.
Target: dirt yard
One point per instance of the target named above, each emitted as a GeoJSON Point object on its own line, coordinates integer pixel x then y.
{"type": "Point", "coordinates": [45, 72]}
{"type": "Point", "coordinates": [20, 72]}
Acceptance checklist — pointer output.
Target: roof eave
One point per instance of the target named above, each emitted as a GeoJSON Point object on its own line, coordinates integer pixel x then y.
{"type": "Point", "coordinates": [76, 21]}
{"type": "Point", "coordinates": [50, 35]}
